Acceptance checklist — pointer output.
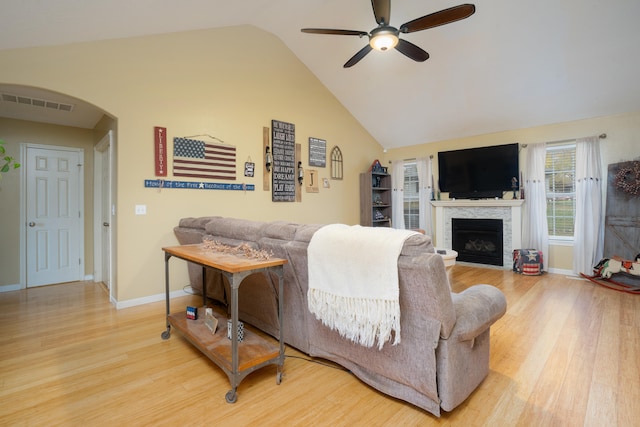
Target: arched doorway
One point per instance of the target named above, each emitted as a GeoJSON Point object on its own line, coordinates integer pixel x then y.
{"type": "Point", "coordinates": [31, 116]}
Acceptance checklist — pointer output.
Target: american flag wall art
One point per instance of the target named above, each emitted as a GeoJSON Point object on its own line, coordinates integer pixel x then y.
{"type": "Point", "coordinates": [199, 159]}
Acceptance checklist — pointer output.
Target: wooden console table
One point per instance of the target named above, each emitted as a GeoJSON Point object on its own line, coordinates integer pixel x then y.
{"type": "Point", "coordinates": [237, 360]}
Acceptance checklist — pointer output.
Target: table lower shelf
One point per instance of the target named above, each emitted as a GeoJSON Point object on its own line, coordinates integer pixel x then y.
{"type": "Point", "coordinates": [253, 351]}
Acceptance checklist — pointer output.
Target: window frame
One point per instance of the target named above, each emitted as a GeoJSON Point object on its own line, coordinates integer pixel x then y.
{"type": "Point", "coordinates": [411, 199]}
{"type": "Point", "coordinates": [560, 240]}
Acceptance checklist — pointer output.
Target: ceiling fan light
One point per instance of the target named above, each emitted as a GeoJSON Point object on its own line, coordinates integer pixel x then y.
{"type": "Point", "coordinates": [383, 41]}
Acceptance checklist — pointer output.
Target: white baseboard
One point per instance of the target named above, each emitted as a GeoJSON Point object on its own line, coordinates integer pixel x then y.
{"type": "Point", "coordinates": [119, 304]}
{"type": "Point", "coordinates": [561, 271]}
{"type": "Point", "coordinates": [10, 288]}
{"type": "Point", "coordinates": [508, 267]}
{"type": "Point", "coordinates": [151, 298]}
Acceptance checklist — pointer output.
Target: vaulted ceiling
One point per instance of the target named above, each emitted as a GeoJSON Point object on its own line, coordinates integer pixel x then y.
{"type": "Point", "coordinates": [513, 64]}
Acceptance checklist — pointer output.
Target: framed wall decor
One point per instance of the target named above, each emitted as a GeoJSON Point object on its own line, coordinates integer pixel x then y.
{"type": "Point", "coordinates": [311, 181]}
{"type": "Point", "coordinates": [317, 152]}
{"type": "Point", "coordinates": [336, 163]}
{"type": "Point", "coordinates": [249, 167]}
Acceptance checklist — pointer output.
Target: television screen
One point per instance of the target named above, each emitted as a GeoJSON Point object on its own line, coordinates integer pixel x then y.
{"type": "Point", "coordinates": [483, 172]}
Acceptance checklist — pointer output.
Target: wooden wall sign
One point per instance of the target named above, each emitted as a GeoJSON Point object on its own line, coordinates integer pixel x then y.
{"type": "Point", "coordinates": [188, 185]}
{"type": "Point", "coordinates": [283, 173]}
{"type": "Point", "coordinates": [311, 181]}
{"type": "Point", "coordinates": [160, 150]}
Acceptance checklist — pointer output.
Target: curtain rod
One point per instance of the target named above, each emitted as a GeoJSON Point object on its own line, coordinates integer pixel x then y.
{"type": "Point", "coordinates": [560, 141]}
{"type": "Point", "coordinates": [601, 136]}
{"type": "Point", "coordinates": [412, 159]}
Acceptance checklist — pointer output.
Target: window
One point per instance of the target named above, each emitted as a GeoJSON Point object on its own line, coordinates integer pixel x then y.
{"type": "Point", "coordinates": [411, 200]}
{"type": "Point", "coordinates": [560, 171]}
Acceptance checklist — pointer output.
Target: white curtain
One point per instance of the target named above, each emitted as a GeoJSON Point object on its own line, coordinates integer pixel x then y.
{"type": "Point", "coordinates": [424, 194]}
{"type": "Point", "coordinates": [589, 227]}
{"type": "Point", "coordinates": [397, 194]}
{"type": "Point", "coordinates": [535, 231]}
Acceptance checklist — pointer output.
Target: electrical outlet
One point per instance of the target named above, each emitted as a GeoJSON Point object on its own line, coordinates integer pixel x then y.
{"type": "Point", "coordinates": [141, 209]}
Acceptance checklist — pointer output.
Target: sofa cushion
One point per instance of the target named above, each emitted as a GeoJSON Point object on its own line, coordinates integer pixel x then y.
{"type": "Point", "coordinates": [417, 245]}
{"type": "Point", "coordinates": [233, 228]}
{"type": "Point", "coordinates": [280, 230]}
{"type": "Point", "coordinates": [305, 232]}
{"type": "Point", "coordinates": [196, 222]}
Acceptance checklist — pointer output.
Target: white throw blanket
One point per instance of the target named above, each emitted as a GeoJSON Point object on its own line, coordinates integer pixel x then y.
{"type": "Point", "coordinates": [353, 281]}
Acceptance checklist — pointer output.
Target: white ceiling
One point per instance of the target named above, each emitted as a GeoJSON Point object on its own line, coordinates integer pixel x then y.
{"type": "Point", "coordinates": [513, 64]}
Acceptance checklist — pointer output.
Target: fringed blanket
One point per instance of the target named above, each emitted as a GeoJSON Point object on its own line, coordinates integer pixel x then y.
{"type": "Point", "coordinates": [353, 281]}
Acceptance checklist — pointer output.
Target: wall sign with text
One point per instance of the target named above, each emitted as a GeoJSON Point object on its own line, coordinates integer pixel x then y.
{"type": "Point", "coordinates": [317, 152]}
{"type": "Point", "coordinates": [160, 150]}
{"type": "Point", "coordinates": [283, 173]}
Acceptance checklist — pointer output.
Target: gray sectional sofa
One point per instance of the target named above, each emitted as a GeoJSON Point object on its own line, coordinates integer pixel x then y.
{"type": "Point", "coordinates": [444, 352]}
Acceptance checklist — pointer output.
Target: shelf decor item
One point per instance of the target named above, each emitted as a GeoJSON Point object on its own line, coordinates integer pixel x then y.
{"type": "Point", "coordinates": [192, 313]}
{"type": "Point", "coordinates": [210, 321]}
{"type": "Point", "coordinates": [240, 330]}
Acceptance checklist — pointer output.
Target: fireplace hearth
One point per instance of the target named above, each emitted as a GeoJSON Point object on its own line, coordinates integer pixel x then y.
{"type": "Point", "coordinates": [478, 240]}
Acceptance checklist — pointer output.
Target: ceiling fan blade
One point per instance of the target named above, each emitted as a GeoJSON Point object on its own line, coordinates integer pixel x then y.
{"type": "Point", "coordinates": [358, 56]}
{"type": "Point", "coordinates": [382, 11]}
{"type": "Point", "coordinates": [412, 51]}
{"type": "Point", "coordinates": [436, 19]}
{"type": "Point", "coordinates": [334, 32]}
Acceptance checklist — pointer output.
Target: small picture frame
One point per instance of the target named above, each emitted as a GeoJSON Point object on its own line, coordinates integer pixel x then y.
{"type": "Point", "coordinates": [249, 167]}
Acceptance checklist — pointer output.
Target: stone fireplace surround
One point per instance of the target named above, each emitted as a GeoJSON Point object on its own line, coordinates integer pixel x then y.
{"type": "Point", "coordinates": [509, 211]}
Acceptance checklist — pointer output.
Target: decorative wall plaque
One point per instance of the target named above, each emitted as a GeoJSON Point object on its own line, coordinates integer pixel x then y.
{"type": "Point", "coordinates": [317, 152]}
{"type": "Point", "coordinates": [283, 173]}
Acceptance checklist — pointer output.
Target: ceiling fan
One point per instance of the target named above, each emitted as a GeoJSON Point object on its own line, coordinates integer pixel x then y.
{"type": "Point", "coordinates": [385, 37]}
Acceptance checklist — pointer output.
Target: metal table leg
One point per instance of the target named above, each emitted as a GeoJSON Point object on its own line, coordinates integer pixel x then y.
{"type": "Point", "coordinates": [166, 334]}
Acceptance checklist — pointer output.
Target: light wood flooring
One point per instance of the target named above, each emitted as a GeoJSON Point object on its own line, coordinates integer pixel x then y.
{"type": "Point", "coordinates": [567, 353]}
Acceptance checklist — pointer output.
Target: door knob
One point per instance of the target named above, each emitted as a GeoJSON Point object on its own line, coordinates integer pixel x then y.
{"type": "Point", "coordinates": [32, 224]}
{"type": "Point", "coordinates": [106, 224]}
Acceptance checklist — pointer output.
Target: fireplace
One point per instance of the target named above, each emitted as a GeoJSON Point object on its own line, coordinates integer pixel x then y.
{"type": "Point", "coordinates": [478, 240]}
{"type": "Point", "coordinates": [509, 211]}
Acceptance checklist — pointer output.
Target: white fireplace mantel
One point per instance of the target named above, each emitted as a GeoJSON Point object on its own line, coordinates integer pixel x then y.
{"type": "Point", "coordinates": [510, 211]}
{"type": "Point", "coordinates": [477, 203]}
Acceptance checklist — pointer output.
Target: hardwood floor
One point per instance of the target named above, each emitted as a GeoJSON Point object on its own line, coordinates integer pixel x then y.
{"type": "Point", "coordinates": [567, 353]}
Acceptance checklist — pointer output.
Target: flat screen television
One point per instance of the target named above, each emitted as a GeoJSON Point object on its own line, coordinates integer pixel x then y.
{"type": "Point", "coordinates": [478, 173]}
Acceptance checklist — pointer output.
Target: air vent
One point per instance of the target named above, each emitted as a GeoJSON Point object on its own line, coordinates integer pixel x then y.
{"type": "Point", "coordinates": [43, 103]}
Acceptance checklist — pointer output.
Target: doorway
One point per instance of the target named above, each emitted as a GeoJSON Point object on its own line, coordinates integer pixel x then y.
{"type": "Point", "coordinates": [54, 214]}
{"type": "Point", "coordinates": [104, 213]}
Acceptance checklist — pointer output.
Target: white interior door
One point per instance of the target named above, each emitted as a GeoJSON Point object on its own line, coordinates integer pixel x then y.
{"type": "Point", "coordinates": [104, 209]}
{"type": "Point", "coordinates": [106, 219]}
{"type": "Point", "coordinates": [54, 229]}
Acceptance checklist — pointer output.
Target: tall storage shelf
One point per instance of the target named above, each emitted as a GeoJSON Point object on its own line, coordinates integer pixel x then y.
{"type": "Point", "coordinates": [375, 199]}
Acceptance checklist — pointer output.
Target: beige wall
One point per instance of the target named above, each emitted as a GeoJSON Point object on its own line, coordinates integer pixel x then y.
{"type": "Point", "coordinates": [15, 132]}
{"type": "Point", "coordinates": [229, 83]}
{"type": "Point", "coordinates": [622, 143]}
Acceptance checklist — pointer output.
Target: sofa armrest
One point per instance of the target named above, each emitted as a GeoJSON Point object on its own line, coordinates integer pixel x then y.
{"type": "Point", "coordinates": [477, 308]}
